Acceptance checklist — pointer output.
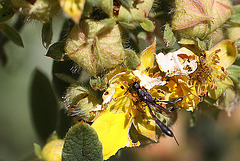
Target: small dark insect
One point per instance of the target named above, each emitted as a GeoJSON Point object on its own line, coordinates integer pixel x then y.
{"type": "Point", "coordinates": [151, 102]}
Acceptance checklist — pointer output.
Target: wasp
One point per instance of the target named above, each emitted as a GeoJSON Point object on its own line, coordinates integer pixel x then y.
{"type": "Point", "coordinates": [151, 103]}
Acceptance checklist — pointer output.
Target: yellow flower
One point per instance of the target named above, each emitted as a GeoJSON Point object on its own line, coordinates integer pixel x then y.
{"type": "Point", "coordinates": [177, 66]}
{"type": "Point", "coordinates": [211, 77]}
{"type": "Point", "coordinates": [122, 110]}
{"type": "Point", "coordinates": [179, 86]}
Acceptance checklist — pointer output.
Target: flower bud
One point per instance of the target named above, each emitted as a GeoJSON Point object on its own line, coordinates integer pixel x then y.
{"type": "Point", "coordinates": [200, 18]}
{"type": "Point", "coordinates": [52, 151]}
{"type": "Point", "coordinates": [81, 102]}
{"type": "Point", "coordinates": [136, 13]}
{"type": "Point", "coordinates": [95, 46]}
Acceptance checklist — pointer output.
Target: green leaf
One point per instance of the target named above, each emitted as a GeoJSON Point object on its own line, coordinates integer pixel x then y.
{"type": "Point", "coordinates": [81, 143]}
{"type": "Point", "coordinates": [147, 25]}
{"type": "Point", "coordinates": [6, 11]}
{"type": "Point", "coordinates": [108, 22]}
{"type": "Point", "coordinates": [44, 106]}
{"type": "Point", "coordinates": [234, 70]}
{"type": "Point", "coordinates": [37, 150]}
{"type": "Point", "coordinates": [126, 3]}
{"type": "Point", "coordinates": [12, 34]}
{"type": "Point", "coordinates": [206, 43]}
{"type": "Point", "coordinates": [235, 18]}
{"type": "Point", "coordinates": [126, 25]}
{"type": "Point", "coordinates": [168, 36]}
{"type": "Point", "coordinates": [56, 51]}
{"type": "Point", "coordinates": [107, 7]}
{"type": "Point", "coordinates": [234, 73]}
{"type": "Point", "coordinates": [47, 34]}
{"type": "Point", "coordinates": [132, 61]}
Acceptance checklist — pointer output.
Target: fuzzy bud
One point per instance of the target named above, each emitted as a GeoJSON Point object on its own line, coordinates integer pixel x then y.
{"type": "Point", "coordinates": [80, 102]}
{"type": "Point", "coordinates": [52, 151]}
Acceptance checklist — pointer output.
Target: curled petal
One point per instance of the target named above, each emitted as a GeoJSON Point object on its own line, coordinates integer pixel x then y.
{"type": "Point", "coordinates": [147, 57]}
{"type": "Point", "coordinates": [180, 62]}
{"type": "Point", "coordinates": [227, 52]}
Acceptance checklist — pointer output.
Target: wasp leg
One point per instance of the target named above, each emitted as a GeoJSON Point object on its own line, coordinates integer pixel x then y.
{"type": "Point", "coordinates": [162, 126]}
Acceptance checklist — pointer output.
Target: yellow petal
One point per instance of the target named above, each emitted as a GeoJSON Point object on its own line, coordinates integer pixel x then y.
{"type": "Point", "coordinates": [145, 125]}
{"type": "Point", "coordinates": [112, 130]}
{"type": "Point", "coordinates": [179, 87]}
{"type": "Point", "coordinates": [227, 52]}
{"type": "Point", "coordinates": [147, 57]}
{"type": "Point", "coordinates": [73, 8]}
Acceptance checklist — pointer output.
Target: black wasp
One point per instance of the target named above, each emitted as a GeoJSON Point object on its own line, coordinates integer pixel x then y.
{"type": "Point", "coordinates": [151, 102]}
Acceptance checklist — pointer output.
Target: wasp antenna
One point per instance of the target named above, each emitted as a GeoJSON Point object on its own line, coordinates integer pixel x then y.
{"type": "Point", "coordinates": [176, 140]}
{"type": "Point", "coordinates": [180, 99]}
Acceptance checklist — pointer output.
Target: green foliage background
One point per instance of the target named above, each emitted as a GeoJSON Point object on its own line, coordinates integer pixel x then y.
{"type": "Point", "coordinates": [17, 132]}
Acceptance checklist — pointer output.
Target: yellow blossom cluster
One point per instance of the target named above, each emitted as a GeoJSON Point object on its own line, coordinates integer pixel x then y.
{"type": "Point", "coordinates": [125, 115]}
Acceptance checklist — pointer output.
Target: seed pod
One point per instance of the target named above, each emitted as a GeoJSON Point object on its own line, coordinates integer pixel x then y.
{"type": "Point", "coordinates": [199, 17]}
{"type": "Point", "coordinates": [95, 46]}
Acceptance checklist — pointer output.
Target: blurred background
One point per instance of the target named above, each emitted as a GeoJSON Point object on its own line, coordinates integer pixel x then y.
{"type": "Point", "coordinates": [208, 140]}
{"type": "Point", "coordinates": [17, 132]}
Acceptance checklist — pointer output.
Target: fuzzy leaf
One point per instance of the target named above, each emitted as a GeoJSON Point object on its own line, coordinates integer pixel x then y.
{"type": "Point", "coordinates": [206, 43]}
{"type": "Point", "coordinates": [56, 51]}
{"type": "Point", "coordinates": [108, 22]}
{"type": "Point", "coordinates": [126, 3]}
{"type": "Point", "coordinates": [130, 26]}
{"type": "Point", "coordinates": [107, 7]}
{"type": "Point", "coordinates": [47, 34]}
{"type": "Point", "coordinates": [168, 36]}
{"type": "Point", "coordinates": [132, 61]}
{"type": "Point", "coordinates": [235, 18]}
{"type": "Point", "coordinates": [147, 25]}
{"type": "Point", "coordinates": [81, 143]}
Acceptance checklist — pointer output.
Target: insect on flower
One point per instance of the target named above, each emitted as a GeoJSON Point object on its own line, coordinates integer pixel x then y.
{"type": "Point", "coordinates": [151, 102]}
